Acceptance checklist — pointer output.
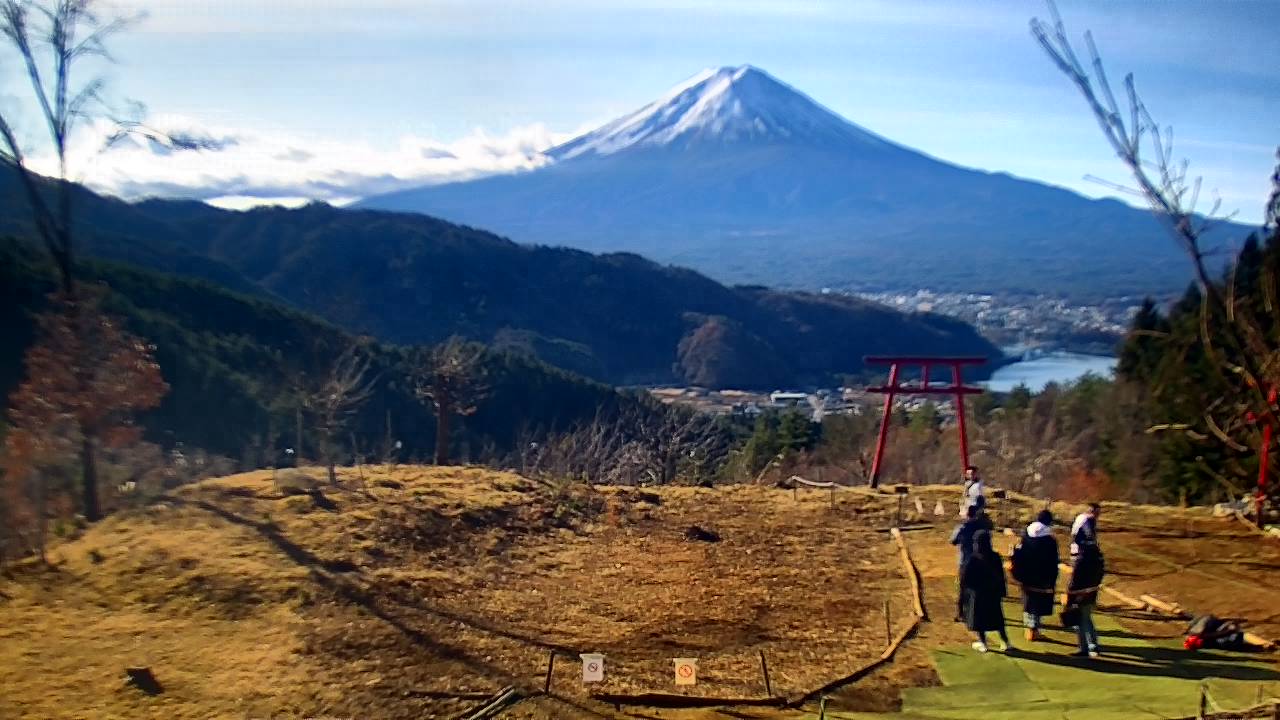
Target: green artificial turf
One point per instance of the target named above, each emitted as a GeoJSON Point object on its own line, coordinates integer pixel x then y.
{"type": "Point", "coordinates": [1136, 678]}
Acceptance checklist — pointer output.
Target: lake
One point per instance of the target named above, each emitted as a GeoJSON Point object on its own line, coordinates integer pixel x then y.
{"type": "Point", "coordinates": [1059, 367]}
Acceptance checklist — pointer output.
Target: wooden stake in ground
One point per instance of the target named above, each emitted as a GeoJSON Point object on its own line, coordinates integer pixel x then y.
{"type": "Point", "coordinates": [888, 626]}
{"type": "Point", "coordinates": [914, 577]}
{"type": "Point", "coordinates": [764, 669]}
{"type": "Point", "coordinates": [551, 665]}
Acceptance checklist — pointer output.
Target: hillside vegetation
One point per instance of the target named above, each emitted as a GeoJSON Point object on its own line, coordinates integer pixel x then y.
{"type": "Point", "coordinates": [228, 359]}
{"type": "Point", "coordinates": [411, 279]}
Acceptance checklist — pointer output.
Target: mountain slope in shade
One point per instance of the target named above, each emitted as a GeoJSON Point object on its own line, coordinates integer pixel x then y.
{"type": "Point", "coordinates": [741, 176]}
{"type": "Point", "coordinates": [410, 279]}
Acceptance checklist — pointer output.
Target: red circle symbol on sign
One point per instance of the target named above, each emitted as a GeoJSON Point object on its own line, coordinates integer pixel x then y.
{"type": "Point", "coordinates": [593, 667]}
{"type": "Point", "coordinates": [686, 670]}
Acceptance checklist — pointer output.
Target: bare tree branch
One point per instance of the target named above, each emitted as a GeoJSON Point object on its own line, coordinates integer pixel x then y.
{"type": "Point", "coordinates": [47, 37]}
{"type": "Point", "coordinates": [1247, 359]}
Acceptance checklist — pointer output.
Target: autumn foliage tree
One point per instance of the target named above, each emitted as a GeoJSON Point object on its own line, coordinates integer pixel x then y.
{"type": "Point", "coordinates": [86, 380]}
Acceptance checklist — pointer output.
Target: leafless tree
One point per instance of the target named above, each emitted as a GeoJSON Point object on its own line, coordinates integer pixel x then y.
{"type": "Point", "coordinates": [640, 444]}
{"type": "Point", "coordinates": [51, 37]}
{"type": "Point", "coordinates": [334, 397]}
{"type": "Point", "coordinates": [451, 378]}
{"type": "Point", "coordinates": [1249, 356]}
{"type": "Point", "coordinates": [583, 454]}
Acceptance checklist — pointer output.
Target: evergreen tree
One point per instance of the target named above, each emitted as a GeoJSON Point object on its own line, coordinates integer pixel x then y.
{"type": "Point", "coordinates": [925, 419]}
{"type": "Point", "coordinates": [1019, 398]}
{"type": "Point", "coordinates": [1141, 350]}
{"type": "Point", "coordinates": [763, 445]}
{"type": "Point", "coordinates": [796, 432]}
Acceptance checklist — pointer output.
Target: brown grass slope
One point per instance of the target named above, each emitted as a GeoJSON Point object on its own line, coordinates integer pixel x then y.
{"type": "Point", "coordinates": [384, 595]}
{"type": "Point", "coordinates": [400, 588]}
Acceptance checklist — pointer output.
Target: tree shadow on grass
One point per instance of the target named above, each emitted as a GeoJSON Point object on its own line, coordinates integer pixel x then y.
{"type": "Point", "coordinates": [320, 573]}
{"type": "Point", "coordinates": [1150, 661]}
{"type": "Point", "coordinates": [346, 590]}
{"type": "Point", "coordinates": [361, 597]}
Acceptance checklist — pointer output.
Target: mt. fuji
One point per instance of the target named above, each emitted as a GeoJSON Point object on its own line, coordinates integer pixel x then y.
{"type": "Point", "coordinates": [729, 105]}
{"type": "Point", "coordinates": [741, 176]}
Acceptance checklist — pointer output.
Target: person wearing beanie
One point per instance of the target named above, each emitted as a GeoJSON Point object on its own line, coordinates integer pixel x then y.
{"type": "Point", "coordinates": [1088, 567]}
{"type": "Point", "coordinates": [1035, 568]}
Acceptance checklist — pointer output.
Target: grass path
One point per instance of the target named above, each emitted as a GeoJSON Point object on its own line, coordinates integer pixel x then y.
{"type": "Point", "coordinates": [1137, 678]}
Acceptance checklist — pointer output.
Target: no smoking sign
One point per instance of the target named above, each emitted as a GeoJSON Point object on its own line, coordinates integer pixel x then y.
{"type": "Point", "coordinates": [592, 667]}
{"type": "Point", "coordinates": [686, 671]}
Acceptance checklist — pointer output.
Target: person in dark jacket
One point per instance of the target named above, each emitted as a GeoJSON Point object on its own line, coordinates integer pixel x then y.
{"type": "Point", "coordinates": [962, 537]}
{"type": "Point", "coordinates": [982, 585]}
{"type": "Point", "coordinates": [1087, 570]}
{"type": "Point", "coordinates": [1035, 568]}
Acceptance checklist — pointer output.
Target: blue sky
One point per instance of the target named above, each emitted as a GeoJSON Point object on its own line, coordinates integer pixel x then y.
{"type": "Point", "coordinates": [357, 92]}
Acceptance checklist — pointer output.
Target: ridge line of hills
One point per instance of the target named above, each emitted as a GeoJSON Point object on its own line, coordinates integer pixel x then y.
{"type": "Point", "coordinates": [738, 175]}
{"type": "Point", "coordinates": [227, 357]}
{"type": "Point", "coordinates": [409, 279]}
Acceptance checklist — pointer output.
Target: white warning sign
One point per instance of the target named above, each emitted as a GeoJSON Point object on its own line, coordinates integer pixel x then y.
{"type": "Point", "coordinates": [592, 667]}
{"type": "Point", "coordinates": [686, 671]}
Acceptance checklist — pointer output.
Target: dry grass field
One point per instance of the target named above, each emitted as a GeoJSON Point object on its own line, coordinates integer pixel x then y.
{"type": "Point", "coordinates": [401, 589]}
{"type": "Point", "coordinates": [380, 597]}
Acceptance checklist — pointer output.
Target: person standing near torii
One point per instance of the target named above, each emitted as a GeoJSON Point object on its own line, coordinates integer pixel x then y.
{"type": "Point", "coordinates": [973, 489]}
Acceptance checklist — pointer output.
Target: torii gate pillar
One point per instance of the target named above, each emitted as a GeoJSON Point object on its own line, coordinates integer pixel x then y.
{"type": "Point", "coordinates": [895, 388]}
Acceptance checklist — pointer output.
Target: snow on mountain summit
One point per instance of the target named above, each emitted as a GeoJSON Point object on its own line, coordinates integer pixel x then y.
{"type": "Point", "coordinates": [720, 105]}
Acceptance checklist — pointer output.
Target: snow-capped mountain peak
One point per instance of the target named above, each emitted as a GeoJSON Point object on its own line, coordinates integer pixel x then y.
{"type": "Point", "coordinates": [725, 105]}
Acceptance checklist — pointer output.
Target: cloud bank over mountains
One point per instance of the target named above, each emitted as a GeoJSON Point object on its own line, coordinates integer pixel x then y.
{"type": "Point", "coordinates": [239, 167]}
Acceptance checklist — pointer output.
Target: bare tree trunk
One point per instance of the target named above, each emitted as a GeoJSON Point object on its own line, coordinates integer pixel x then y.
{"type": "Point", "coordinates": [89, 480]}
{"type": "Point", "coordinates": [327, 451]}
{"type": "Point", "coordinates": [297, 445]}
{"type": "Point", "coordinates": [40, 495]}
{"type": "Point", "coordinates": [444, 416]}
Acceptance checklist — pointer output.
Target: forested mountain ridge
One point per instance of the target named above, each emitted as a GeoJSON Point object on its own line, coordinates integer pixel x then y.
{"type": "Point", "coordinates": [412, 279]}
{"type": "Point", "coordinates": [228, 358]}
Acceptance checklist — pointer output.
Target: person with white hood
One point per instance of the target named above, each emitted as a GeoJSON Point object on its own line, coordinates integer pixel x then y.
{"type": "Point", "coordinates": [1084, 530]}
{"type": "Point", "coordinates": [1035, 568]}
{"type": "Point", "coordinates": [1088, 567]}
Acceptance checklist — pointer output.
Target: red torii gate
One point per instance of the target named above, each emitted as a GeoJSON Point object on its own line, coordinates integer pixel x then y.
{"type": "Point", "coordinates": [1260, 497]}
{"type": "Point", "coordinates": [956, 388]}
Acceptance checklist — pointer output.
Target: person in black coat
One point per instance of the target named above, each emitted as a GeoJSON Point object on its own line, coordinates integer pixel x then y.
{"type": "Point", "coordinates": [982, 586]}
{"type": "Point", "coordinates": [976, 519]}
{"type": "Point", "coordinates": [1087, 570]}
{"type": "Point", "coordinates": [1035, 568]}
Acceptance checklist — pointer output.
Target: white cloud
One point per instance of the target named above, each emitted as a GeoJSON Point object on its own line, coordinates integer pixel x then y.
{"type": "Point", "coordinates": [240, 167]}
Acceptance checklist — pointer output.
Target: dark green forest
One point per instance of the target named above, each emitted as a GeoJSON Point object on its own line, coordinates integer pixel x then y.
{"type": "Point", "coordinates": [229, 359]}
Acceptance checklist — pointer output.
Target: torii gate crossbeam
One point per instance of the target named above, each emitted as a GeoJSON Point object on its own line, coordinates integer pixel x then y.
{"type": "Point", "coordinates": [894, 388]}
